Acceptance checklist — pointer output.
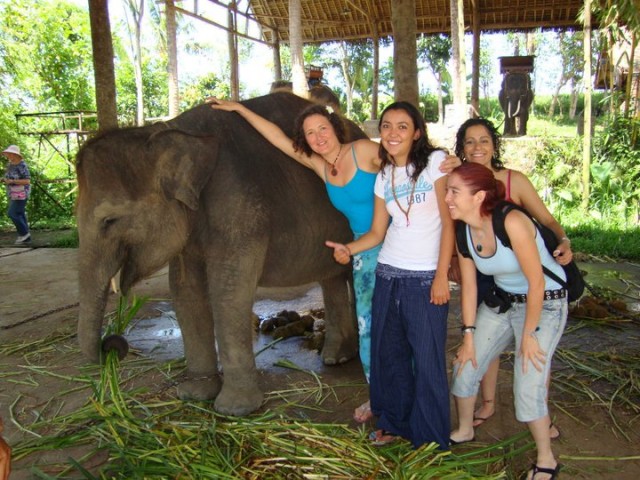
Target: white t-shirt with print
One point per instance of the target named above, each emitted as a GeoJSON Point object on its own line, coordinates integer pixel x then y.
{"type": "Point", "coordinates": [416, 245]}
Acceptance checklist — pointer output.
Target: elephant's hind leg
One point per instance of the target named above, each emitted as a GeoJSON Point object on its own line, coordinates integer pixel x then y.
{"type": "Point", "coordinates": [341, 337]}
{"type": "Point", "coordinates": [188, 282]}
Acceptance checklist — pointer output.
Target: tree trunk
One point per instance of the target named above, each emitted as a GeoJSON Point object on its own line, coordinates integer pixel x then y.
{"type": "Point", "coordinates": [172, 53]}
{"type": "Point", "coordinates": [105, 79]}
{"type": "Point", "coordinates": [475, 64]}
{"type": "Point", "coordinates": [137, 11]}
{"type": "Point", "coordinates": [298, 77]}
{"type": "Point", "coordinates": [405, 56]}
{"type": "Point", "coordinates": [344, 63]}
{"type": "Point", "coordinates": [573, 104]}
{"type": "Point", "coordinates": [586, 139]}
{"type": "Point", "coordinates": [440, 100]}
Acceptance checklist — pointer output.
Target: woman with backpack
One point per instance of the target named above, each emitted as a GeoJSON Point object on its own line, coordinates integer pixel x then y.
{"type": "Point", "coordinates": [478, 141]}
{"type": "Point", "coordinates": [535, 319]}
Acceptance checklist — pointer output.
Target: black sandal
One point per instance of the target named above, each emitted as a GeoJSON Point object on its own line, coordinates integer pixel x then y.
{"type": "Point", "coordinates": [554, 472]}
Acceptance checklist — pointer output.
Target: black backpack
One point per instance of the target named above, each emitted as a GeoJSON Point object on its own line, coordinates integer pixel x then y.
{"type": "Point", "coordinates": [574, 284]}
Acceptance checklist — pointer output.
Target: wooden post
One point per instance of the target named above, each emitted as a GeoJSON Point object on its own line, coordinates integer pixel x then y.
{"type": "Point", "coordinates": [586, 139]}
{"type": "Point", "coordinates": [233, 52]}
{"type": "Point", "coordinates": [298, 77]}
{"type": "Point", "coordinates": [376, 71]}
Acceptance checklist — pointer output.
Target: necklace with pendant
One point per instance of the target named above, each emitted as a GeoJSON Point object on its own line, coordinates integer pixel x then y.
{"type": "Point", "coordinates": [334, 170]}
{"type": "Point", "coordinates": [395, 197]}
{"type": "Point", "coordinates": [478, 244]}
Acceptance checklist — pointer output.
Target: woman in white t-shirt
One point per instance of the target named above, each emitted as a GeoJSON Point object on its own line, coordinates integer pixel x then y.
{"type": "Point", "coordinates": [409, 387]}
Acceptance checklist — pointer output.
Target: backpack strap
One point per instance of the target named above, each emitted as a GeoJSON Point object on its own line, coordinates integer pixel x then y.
{"type": "Point", "coordinates": [500, 213]}
{"type": "Point", "coordinates": [461, 238]}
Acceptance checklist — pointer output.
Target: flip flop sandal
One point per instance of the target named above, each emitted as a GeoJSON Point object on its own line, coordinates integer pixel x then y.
{"type": "Point", "coordinates": [477, 421]}
{"type": "Point", "coordinates": [380, 438]}
{"type": "Point", "coordinates": [554, 472]}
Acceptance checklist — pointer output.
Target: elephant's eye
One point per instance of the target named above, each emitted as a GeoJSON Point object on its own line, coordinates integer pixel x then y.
{"type": "Point", "coordinates": [108, 222]}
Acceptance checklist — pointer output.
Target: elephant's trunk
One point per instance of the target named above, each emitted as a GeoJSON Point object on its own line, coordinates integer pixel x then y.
{"type": "Point", "coordinates": [94, 288]}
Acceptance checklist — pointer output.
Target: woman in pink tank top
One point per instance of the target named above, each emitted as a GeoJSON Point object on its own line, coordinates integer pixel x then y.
{"type": "Point", "coordinates": [478, 141]}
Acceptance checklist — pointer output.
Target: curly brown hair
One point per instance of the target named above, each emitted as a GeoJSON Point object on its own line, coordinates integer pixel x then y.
{"type": "Point", "coordinates": [496, 160]}
{"type": "Point", "coordinates": [299, 140]}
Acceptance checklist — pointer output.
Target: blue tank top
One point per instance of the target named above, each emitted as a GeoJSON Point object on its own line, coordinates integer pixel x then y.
{"type": "Point", "coordinates": [355, 200]}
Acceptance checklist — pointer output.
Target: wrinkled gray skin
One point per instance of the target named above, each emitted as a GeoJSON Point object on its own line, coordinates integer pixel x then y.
{"type": "Point", "coordinates": [515, 98]}
{"type": "Point", "coordinates": [208, 195]}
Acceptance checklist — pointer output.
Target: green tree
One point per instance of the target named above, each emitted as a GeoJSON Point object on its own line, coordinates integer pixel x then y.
{"type": "Point", "coordinates": [46, 53]}
{"type": "Point", "coordinates": [436, 51]}
{"type": "Point", "coordinates": [571, 62]}
{"type": "Point", "coordinates": [487, 74]}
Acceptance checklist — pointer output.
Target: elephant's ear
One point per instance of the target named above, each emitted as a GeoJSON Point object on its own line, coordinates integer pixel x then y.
{"type": "Point", "coordinates": [185, 163]}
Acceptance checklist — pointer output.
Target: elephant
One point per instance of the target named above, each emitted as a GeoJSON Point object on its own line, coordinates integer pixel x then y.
{"type": "Point", "coordinates": [206, 194]}
{"type": "Point", "coordinates": [515, 98]}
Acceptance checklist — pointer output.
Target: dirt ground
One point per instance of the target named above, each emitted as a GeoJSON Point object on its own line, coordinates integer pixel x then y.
{"type": "Point", "coordinates": [38, 299]}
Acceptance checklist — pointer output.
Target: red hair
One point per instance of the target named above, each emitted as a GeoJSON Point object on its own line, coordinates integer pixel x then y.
{"type": "Point", "coordinates": [478, 177]}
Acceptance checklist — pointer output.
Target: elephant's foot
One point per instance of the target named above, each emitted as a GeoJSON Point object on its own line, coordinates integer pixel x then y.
{"type": "Point", "coordinates": [202, 388]}
{"type": "Point", "coordinates": [238, 400]}
{"type": "Point", "coordinates": [337, 350]}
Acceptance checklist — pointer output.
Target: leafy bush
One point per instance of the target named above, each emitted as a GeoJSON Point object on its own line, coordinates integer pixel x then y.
{"type": "Point", "coordinates": [615, 171]}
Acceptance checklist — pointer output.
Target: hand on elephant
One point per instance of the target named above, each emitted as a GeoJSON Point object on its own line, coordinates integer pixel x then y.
{"type": "Point", "coordinates": [219, 104]}
{"type": "Point", "coordinates": [341, 252]}
{"type": "Point", "coordinates": [450, 162]}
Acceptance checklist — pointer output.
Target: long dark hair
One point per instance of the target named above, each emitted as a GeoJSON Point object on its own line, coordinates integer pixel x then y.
{"type": "Point", "coordinates": [478, 177]}
{"type": "Point", "coordinates": [496, 161]}
{"type": "Point", "coordinates": [421, 148]}
{"type": "Point", "coordinates": [299, 140]}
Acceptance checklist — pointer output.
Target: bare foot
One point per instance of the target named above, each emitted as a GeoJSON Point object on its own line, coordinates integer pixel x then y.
{"type": "Point", "coordinates": [484, 413]}
{"type": "Point", "coordinates": [554, 432]}
{"type": "Point", "coordinates": [457, 437]}
{"type": "Point", "coordinates": [363, 413]}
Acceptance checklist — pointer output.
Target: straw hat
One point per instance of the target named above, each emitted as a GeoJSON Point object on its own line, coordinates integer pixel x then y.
{"type": "Point", "coordinates": [13, 149]}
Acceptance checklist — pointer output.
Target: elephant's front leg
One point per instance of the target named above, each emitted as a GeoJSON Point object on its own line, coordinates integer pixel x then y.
{"type": "Point", "coordinates": [189, 289]}
{"type": "Point", "coordinates": [341, 337]}
{"type": "Point", "coordinates": [232, 284]}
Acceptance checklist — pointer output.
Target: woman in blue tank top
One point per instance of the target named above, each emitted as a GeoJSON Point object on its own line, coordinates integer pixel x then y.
{"type": "Point", "coordinates": [349, 171]}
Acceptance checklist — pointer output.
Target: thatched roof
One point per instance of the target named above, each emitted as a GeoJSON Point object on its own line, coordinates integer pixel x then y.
{"type": "Point", "coordinates": [327, 20]}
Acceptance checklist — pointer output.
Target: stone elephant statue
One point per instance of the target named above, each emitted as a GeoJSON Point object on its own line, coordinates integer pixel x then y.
{"type": "Point", "coordinates": [207, 195]}
{"type": "Point", "coordinates": [515, 98]}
